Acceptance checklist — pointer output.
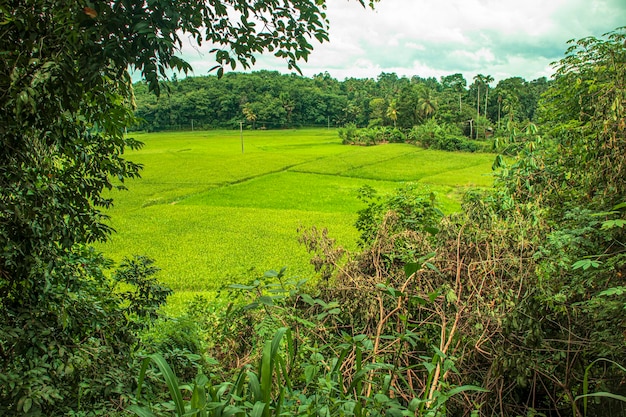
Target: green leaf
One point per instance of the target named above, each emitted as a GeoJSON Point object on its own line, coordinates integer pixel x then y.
{"type": "Point", "coordinates": [451, 296]}
{"type": "Point", "coordinates": [611, 224]}
{"type": "Point", "coordinates": [431, 230]}
{"type": "Point", "coordinates": [258, 409]}
{"type": "Point", "coordinates": [140, 411]}
{"type": "Point", "coordinates": [28, 403]}
{"type": "Point", "coordinates": [464, 388]}
{"type": "Point", "coordinates": [307, 299]}
{"type": "Point", "coordinates": [241, 287]}
{"type": "Point", "coordinates": [429, 366]}
{"type": "Point", "coordinates": [266, 300]}
{"type": "Point", "coordinates": [620, 206]}
{"type": "Point", "coordinates": [586, 264]}
{"type": "Point", "coordinates": [171, 381]}
{"type": "Point", "coordinates": [603, 394]}
{"type": "Point", "coordinates": [612, 291]}
{"type": "Point", "coordinates": [410, 268]}
{"type": "Point", "coordinates": [255, 385]}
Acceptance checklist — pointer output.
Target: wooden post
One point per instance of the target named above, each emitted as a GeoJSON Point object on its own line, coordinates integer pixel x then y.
{"type": "Point", "coordinates": [241, 133]}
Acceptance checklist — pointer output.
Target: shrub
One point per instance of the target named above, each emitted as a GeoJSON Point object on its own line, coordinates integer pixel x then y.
{"type": "Point", "coordinates": [73, 350]}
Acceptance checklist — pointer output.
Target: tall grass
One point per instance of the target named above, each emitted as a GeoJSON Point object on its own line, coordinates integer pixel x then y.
{"type": "Point", "coordinates": [210, 214]}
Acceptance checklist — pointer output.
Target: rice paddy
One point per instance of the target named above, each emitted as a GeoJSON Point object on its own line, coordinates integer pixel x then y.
{"type": "Point", "coordinates": [210, 214]}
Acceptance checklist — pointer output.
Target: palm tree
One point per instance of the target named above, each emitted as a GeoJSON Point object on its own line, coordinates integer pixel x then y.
{"type": "Point", "coordinates": [392, 111]}
{"type": "Point", "coordinates": [499, 108]}
{"type": "Point", "coordinates": [249, 114]}
{"type": "Point", "coordinates": [288, 104]}
{"type": "Point", "coordinates": [487, 79]}
{"type": "Point", "coordinates": [510, 104]}
{"type": "Point", "coordinates": [478, 80]}
{"type": "Point", "coordinates": [427, 103]}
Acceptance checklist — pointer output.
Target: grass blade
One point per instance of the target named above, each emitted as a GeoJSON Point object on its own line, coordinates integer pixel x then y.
{"type": "Point", "coordinates": [266, 373]}
{"type": "Point", "coordinates": [255, 386]}
{"type": "Point", "coordinates": [258, 410]}
{"type": "Point", "coordinates": [171, 381]}
{"type": "Point", "coordinates": [585, 395]}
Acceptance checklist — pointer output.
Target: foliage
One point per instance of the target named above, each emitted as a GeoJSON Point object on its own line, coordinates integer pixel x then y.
{"type": "Point", "coordinates": [520, 294]}
{"type": "Point", "coordinates": [566, 188]}
{"type": "Point", "coordinates": [273, 100]}
{"type": "Point", "coordinates": [444, 137]}
{"type": "Point", "coordinates": [522, 288]}
{"type": "Point", "coordinates": [73, 350]}
{"type": "Point", "coordinates": [180, 342]}
{"type": "Point", "coordinates": [348, 134]}
{"type": "Point", "coordinates": [293, 375]}
{"type": "Point", "coordinates": [585, 390]}
{"type": "Point", "coordinates": [148, 295]}
{"type": "Point", "coordinates": [66, 101]}
{"type": "Point", "coordinates": [413, 210]}
{"type": "Point", "coordinates": [517, 294]}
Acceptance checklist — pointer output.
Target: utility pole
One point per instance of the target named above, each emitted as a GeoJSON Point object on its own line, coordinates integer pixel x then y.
{"type": "Point", "coordinates": [241, 133]}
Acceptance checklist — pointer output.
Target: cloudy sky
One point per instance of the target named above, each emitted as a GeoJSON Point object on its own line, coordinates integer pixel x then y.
{"type": "Point", "coordinates": [502, 38]}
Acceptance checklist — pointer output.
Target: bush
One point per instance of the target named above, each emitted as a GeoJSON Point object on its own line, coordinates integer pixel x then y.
{"type": "Point", "coordinates": [396, 136]}
{"type": "Point", "coordinates": [446, 137]}
{"type": "Point", "coordinates": [73, 350]}
{"type": "Point", "coordinates": [181, 342]}
{"type": "Point", "coordinates": [348, 133]}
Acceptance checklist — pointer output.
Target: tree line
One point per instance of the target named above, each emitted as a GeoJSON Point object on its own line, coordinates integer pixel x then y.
{"type": "Point", "coordinates": [268, 99]}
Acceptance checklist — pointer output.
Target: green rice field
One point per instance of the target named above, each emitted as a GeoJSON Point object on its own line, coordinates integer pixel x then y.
{"type": "Point", "coordinates": [211, 215]}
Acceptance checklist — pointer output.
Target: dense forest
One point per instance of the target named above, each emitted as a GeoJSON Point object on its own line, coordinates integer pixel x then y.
{"type": "Point", "coordinates": [267, 99]}
{"type": "Point", "coordinates": [512, 307]}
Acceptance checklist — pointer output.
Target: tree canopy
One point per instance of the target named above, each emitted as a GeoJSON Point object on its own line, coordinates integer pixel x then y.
{"type": "Point", "coordinates": [203, 102]}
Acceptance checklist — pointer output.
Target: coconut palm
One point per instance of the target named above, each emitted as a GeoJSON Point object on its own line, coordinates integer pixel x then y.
{"type": "Point", "coordinates": [487, 79]}
{"type": "Point", "coordinates": [288, 104]}
{"type": "Point", "coordinates": [478, 80]}
{"type": "Point", "coordinates": [509, 105]}
{"type": "Point", "coordinates": [499, 108]}
{"type": "Point", "coordinates": [248, 112]}
{"type": "Point", "coordinates": [392, 112]}
{"type": "Point", "coordinates": [427, 103]}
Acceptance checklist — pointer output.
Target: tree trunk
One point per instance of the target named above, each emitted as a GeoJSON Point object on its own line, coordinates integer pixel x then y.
{"type": "Point", "coordinates": [486, 96]}
{"type": "Point", "coordinates": [478, 104]}
{"type": "Point", "coordinates": [499, 106]}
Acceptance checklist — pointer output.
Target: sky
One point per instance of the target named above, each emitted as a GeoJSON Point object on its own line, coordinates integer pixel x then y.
{"type": "Point", "coordinates": [433, 38]}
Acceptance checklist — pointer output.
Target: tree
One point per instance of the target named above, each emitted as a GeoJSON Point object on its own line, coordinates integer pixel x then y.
{"type": "Point", "coordinates": [392, 111]}
{"type": "Point", "coordinates": [510, 103]}
{"type": "Point", "coordinates": [249, 114]}
{"type": "Point", "coordinates": [488, 79]}
{"type": "Point", "coordinates": [427, 102]}
{"type": "Point", "coordinates": [288, 104]}
{"type": "Point", "coordinates": [65, 101]}
{"type": "Point", "coordinates": [478, 81]}
{"type": "Point", "coordinates": [455, 83]}
{"type": "Point", "coordinates": [569, 184]}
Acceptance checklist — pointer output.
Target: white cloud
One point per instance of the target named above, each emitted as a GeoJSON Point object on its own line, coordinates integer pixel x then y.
{"type": "Point", "coordinates": [503, 38]}
{"type": "Point", "coordinates": [481, 56]}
